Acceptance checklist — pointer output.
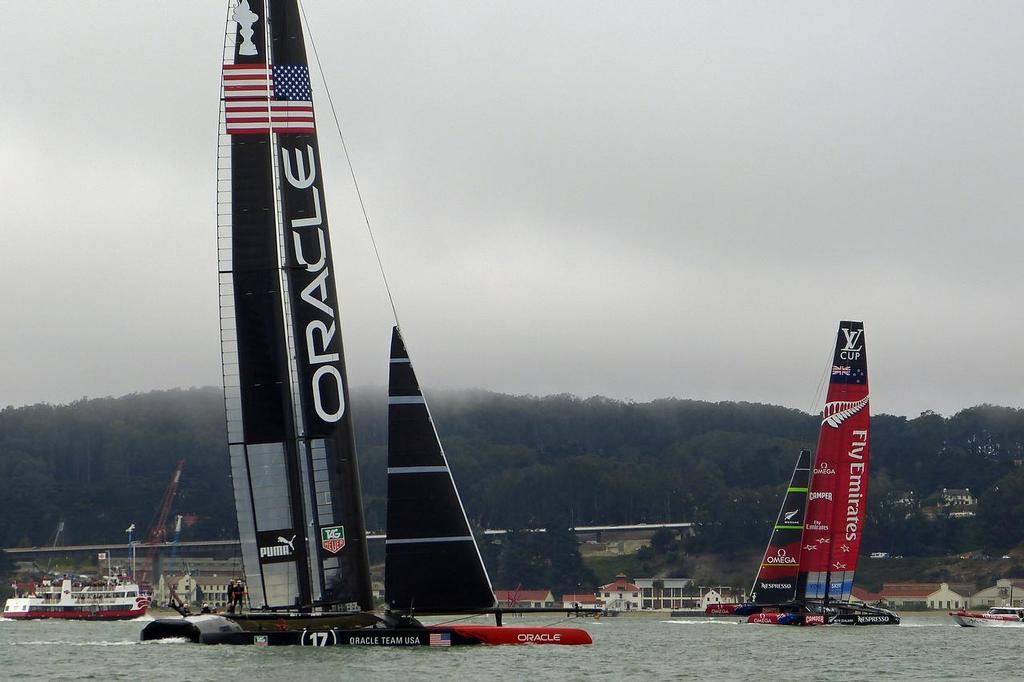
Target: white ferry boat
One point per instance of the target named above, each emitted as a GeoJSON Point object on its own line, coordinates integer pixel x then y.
{"type": "Point", "coordinates": [995, 617]}
{"type": "Point", "coordinates": [62, 599]}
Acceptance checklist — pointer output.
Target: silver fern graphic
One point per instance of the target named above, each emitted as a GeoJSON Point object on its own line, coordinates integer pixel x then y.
{"type": "Point", "coordinates": [835, 413]}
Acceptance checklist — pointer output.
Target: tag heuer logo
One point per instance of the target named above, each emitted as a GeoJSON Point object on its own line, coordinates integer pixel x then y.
{"type": "Point", "coordinates": [332, 538]}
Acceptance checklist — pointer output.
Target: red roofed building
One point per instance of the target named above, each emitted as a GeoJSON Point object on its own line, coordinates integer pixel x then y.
{"type": "Point", "coordinates": [908, 595]}
{"type": "Point", "coordinates": [866, 596]}
{"type": "Point", "coordinates": [589, 602]}
{"type": "Point", "coordinates": [533, 599]}
{"type": "Point", "coordinates": [620, 595]}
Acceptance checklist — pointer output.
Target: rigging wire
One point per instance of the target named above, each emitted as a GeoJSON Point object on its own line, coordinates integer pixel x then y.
{"type": "Point", "coordinates": [822, 382]}
{"type": "Point", "coordinates": [348, 160]}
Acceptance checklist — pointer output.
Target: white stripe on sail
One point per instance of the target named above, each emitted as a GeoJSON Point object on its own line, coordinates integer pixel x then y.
{"type": "Point", "coordinates": [405, 400]}
{"type": "Point", "coordinates": [409, 541]}
{"type": "Point", "coordinates": [418, 470]}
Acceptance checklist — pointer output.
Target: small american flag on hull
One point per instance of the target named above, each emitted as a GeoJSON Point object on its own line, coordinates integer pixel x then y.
{"type": "Point", "coordinates": [259, 99]}
{"type": "Point", "coordinates": [440, 639]}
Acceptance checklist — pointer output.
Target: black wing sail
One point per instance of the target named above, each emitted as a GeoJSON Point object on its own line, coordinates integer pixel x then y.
{"type": "Point", "coordinates": [432, 560]}
{"type": "Point", "coordinates": [292, 453]}
{"type": "Point", "coordinates": [776, 580]}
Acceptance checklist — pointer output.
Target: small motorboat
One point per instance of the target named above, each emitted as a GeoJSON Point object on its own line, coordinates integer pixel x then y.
{"type": "Point", "coordinates": [995, 617]}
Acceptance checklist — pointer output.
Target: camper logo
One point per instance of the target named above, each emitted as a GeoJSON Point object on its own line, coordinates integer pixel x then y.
{"type": "Point", "coordinates": [332, 538]}
{"type": "Point", "coordinates": [276, 545]}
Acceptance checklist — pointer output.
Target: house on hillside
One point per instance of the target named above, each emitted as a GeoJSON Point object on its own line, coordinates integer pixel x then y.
{"type": "Point", "coordinates": [620, 595]}
{"type": "Point", "coordinates": [532, 599]}
{"type": "Point", "coordinates": [959, 503]}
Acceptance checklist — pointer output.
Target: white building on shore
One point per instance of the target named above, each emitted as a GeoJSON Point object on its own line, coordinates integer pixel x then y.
{"type": "Point", "coordinates": [620, 595]}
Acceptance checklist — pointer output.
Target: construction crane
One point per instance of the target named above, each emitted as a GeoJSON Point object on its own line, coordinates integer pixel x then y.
{"type": "Point", "coordinates": [158, 529]}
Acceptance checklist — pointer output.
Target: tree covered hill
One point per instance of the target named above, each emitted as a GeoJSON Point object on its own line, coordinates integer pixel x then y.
{"type": "Point", "coordinates": [521, 461]}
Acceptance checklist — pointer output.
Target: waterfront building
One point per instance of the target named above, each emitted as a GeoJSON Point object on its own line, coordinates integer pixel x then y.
{"type": "Point", "coordinates": [908, 595]}
{"type": "Point", "coordinates": [951, 596]}
{"type": "Point", "coordinates": [1006, 592]}
{"type": "Point", "coordinates": [939, 596]}
{"type": "Point", "coordinates": [665, 594]}
{"type": "Point", "coordinates": [620, 595]}
{"type": "Point", "coordinates": [866, 596]}
{"type": "Point", "coordinates": [588, 602]}
{"type": "Point", "coordinates": [194, 590]}
{"type": "Point", "coordinates": [533, 599]}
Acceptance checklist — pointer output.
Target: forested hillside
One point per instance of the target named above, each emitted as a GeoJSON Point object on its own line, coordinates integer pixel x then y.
{"type": "Point", "coordinates": [519, 461]}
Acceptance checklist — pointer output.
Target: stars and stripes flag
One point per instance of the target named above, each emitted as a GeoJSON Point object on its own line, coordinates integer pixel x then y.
{"type": "Point", "coordinates": [260, 99]}
{"type": "Point", "coordinates": [440, 639]}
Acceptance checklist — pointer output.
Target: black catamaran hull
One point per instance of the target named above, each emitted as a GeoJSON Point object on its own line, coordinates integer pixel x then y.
{"type": "Point", "coordinates": [211, 629]}
{"type": "Point", "coordinates": [798, 613]}
{"type": "Point", "coordinates": [853, 614]}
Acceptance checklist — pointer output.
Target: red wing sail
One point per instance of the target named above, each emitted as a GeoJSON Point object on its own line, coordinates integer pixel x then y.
{"type": "Point", "coordinates": [776, 580]}
{"type": "Point", "coordinates": [839, 480]}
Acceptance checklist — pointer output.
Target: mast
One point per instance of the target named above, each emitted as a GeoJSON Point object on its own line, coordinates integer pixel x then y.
{"type": "Point", "coordinates": [838, 492]}
{"type": "Point", "coordinates": [432, 562]}
{"type": "Point", "coordinates": [296, 479]}
{"type": "Point", "coordinates": [776, 580]}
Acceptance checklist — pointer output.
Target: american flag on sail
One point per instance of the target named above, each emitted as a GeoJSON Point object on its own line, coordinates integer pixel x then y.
{"type": "Point", "coordinates": [440, 639]}
{"type": "Point", "coordinates": [259, 99]}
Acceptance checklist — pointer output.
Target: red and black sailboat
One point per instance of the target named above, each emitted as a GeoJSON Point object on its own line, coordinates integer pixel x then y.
{"type": "Point", "coordinates": [289, 423]}
{"type": "Point", "coordinates": [816, 587]}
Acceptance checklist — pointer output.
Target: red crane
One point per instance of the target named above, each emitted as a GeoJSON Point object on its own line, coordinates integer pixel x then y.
{"type": "Point", "coordinates": [158, 529]}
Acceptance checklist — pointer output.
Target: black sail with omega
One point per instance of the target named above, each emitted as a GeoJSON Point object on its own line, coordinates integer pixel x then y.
{"type": "Point", "coordinates": [432, 560]}
{"type": "Point", "coordinates": [776, 580]}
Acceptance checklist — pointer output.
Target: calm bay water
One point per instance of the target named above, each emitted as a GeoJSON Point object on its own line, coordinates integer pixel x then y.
{"type": "Point", "coordinates": [923, 648]}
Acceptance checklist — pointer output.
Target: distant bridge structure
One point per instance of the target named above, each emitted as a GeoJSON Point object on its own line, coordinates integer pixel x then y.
{"type": "Point", "coordinates": [232, 545]}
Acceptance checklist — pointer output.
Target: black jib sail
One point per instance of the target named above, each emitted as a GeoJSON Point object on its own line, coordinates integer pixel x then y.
{"type": "Point", "coordinates": [292, 452]}
{"type": "Point", "coordinates": [432, 560]}
{"type": "Point", "coordinates": [777, 578]}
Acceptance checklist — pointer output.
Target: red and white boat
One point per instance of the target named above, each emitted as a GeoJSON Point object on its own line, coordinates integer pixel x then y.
{"type": "Point", "coordinates": [995, 617]}
{"type": "Point", "coordinates": [112, 600]}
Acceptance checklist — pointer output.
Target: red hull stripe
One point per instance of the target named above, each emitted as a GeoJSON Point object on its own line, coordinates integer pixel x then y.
{"type": "Point", "coordinates": [77, 615]}
{"type": "Point", "coordinates": [493, 634]}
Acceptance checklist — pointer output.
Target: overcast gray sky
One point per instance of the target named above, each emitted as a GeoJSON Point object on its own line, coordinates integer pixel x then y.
{"type": "Point", "coordinates": [633, 199]}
